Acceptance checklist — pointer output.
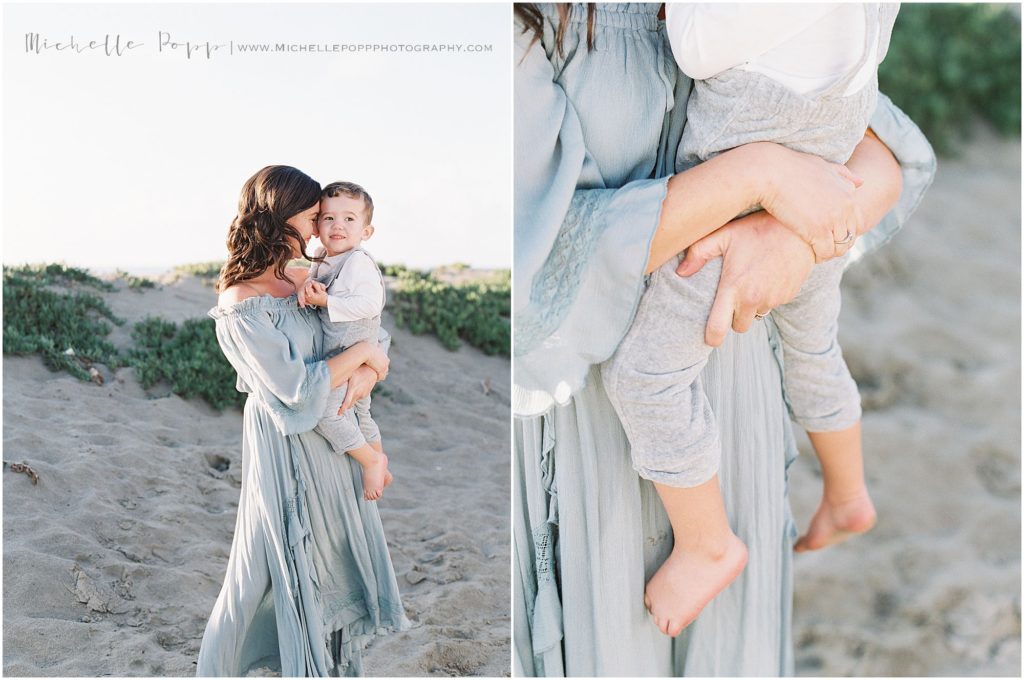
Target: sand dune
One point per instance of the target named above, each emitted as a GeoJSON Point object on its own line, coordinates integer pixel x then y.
{"type": "Point", "coordinates": [113, 561]}
{"type": "Point", "coordinates": [931, 330]}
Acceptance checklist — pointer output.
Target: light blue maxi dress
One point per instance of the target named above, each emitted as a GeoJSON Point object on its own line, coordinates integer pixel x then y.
{"type": "Point", "coordinates": [596, 133]}
{"type": "Point", "coordinates": [309, 579]}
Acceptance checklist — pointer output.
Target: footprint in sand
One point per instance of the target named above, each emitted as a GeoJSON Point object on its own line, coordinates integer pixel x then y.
{"type": "Point", "coordinates": [997, 469]}
{"type": "Point", "coordinates": [218, 464]}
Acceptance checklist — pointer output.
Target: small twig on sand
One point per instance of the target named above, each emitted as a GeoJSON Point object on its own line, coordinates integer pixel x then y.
{"type": "Point", "coordinates": [23, 467]}
{"type": "Point", "coordinates": [486, 384]}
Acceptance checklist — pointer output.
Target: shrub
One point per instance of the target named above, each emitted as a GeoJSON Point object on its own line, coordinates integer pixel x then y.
{"type": "Point", "coordinates": [951, 63]}
{"type": "Point", "coordinates": [477, 312]}
{"type": "Point", "coordinates": [187, 357]}
{"type": "Point", "coordinates": [135, 282]}
{"type": "Point", "coordinates": [203, 270]}
{"type": "Point", "coordinates": [45, 313]}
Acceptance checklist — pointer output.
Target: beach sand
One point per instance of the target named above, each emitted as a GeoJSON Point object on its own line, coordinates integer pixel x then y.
{"type": "Point", "coordinates": [112, 563]}
{"type": "Point", "coordinates": [931, 331]}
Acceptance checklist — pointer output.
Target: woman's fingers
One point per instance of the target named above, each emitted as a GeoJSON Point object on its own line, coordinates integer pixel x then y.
{"type": "Point", "coordinates": [721, 318]}
{"type": "Point", "coordinates": [693, 262]}
{"type": "Point", "coordinates": [743, 317]}
{"type": "Point", "coordinates": [847, 174]}
{"type": "Point", "coordinates": [700, 253]}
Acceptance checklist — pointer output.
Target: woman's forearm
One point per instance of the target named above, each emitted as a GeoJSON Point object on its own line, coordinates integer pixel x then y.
{"type": "Point", "coordinates": [883, 181]}
{"type": "Point", "coordinates": [705, 197]}
{"type": "Point", "coordinates": [343, 365]}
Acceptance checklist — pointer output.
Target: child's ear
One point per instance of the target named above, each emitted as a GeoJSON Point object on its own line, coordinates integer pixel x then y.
{"type": "Point", "coordinates": [367, 231]}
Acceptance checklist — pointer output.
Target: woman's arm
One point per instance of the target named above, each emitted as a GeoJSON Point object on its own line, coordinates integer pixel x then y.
{"type": "Point", "coordinates": [765, 263]}
{"type": "Point", "coordinates": [813, 197]}
{"type": "Point", "coordinates": [343, 366]}
{"type": "Point", "coordinates": [883, 182]}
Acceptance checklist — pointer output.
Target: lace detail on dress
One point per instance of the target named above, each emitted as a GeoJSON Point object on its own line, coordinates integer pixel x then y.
{"type": "Point", "coordinates": [555, 285]}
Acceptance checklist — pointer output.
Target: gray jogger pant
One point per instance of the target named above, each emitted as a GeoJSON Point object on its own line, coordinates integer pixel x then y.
{"type": "Point", "coordinates": [653, 379]}
{"type": "Point", "coordinates": [350, 430]}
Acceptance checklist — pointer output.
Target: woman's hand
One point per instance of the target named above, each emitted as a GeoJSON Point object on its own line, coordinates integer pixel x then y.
{"type": "Point", "coordinates": [359, 385]}
{"type": "Point", "coordinates": [378, 361]}
{"type": "Point", "coordinates": [815, 199]}
{"type": "Point", "coordinates": [343, 366]}
{"type": "Point", "coordinates": [764, 264]}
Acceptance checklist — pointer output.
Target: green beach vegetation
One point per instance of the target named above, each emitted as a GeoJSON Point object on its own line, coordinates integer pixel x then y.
{"type": "Point", "coordinates": [56, 311]}
{"type": "Point", "coordinates": [949, 65]}
{"type": "Point", "coordinates": [474, 310]}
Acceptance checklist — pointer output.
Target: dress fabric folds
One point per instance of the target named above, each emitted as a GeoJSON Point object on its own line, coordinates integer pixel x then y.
{"type": "Point", "coordinates": [309, 579]}
{"type": "Point", "coordinates": [596, 135]}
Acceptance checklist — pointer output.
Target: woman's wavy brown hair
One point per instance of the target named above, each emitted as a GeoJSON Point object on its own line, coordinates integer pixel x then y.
{"type": "Point", "coordinates": [533, 22]}
{"type": "Point", "coordinates": [260, 237]}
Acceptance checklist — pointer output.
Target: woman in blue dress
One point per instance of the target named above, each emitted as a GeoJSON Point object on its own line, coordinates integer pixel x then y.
{"type": "Point", "coordinates": [309, 579]}
{"type": "Point", "coordinates": [599, 111]}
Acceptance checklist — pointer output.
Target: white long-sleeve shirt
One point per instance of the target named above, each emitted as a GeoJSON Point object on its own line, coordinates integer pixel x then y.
{"type": "Point", "coordinates": [804, 46]}
{"type": "Point", "coordinates": [357, 292]}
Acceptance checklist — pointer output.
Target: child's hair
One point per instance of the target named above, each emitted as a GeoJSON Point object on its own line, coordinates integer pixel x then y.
{"type": "Point", "coordinates": [260, 237]}
{"type": "Point", "coordinates": [352, 190]}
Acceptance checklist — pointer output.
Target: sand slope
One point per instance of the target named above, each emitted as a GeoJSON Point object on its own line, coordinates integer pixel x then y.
{"type": "Point", "coordinates": [931, 330]}
{"type": "Point", "coordinates": [113, 561]}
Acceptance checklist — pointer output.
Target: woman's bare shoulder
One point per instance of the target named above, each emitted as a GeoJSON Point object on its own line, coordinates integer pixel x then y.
{"type": "Point", "coordinates": [237, 292]}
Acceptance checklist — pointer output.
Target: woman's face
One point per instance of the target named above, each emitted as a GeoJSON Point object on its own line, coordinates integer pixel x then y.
{"type": "Point", "coordinates": [305, 223]}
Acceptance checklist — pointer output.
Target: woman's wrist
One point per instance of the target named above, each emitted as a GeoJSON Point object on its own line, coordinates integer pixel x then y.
{"type": "Point", "coordinates": [883, 180]}
{"type": "Point", "coordinates": [755, 162]}
{"type": "Point", "coordinates": [703, 198]}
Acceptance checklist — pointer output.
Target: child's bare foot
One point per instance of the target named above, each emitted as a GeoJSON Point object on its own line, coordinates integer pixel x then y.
{"type": "Point", "coordinates": [834, 522]}
{"type": "Point", "coordinates": [687, 581]}
{"type": "Point", "coordinates": [375, 478]}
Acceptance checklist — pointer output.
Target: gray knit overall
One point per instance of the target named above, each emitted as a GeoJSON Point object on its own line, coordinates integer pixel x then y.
{"type": "Point", "coordinates": [355, 427]}
{"type": "Point", "coordinates": [653, 379]}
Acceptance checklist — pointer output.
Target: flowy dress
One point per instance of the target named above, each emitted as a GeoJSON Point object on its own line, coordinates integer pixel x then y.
{"type": "Point", "coordinates": [596, 133]}
{"type": "Point", "coordinates": [309, 579]}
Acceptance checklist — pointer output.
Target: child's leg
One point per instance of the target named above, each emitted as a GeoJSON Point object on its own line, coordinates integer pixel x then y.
{"type": "Point", "coordinates": [706, 557]}
{"type": "Point", "coordinates": [653, 382]}
{"type": "Point", "coordinates": [653, 379]}
{"type": "Point", "coordinates": [375, 470]}
{"type": "Point", "coordinates": [845, 507]}
{"type": "Point", "coordinates": [820, 392]}
{"type": "Point", "coordinates": [370, 430]}
{"type": "Point", "coordinates": [344, 436]}
{"type": "Point", "coordinates": [824, 400]}
{"type": "Point", "coordinates": [366, 423]}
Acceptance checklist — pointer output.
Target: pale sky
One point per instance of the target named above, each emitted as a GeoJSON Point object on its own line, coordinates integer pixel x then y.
{"type": "Point", "coordinates": [136, 161]}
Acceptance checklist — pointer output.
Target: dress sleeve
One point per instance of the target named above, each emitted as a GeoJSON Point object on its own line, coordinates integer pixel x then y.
{"type": "Point", "coordinates": [270, 367]}
{"type": "Point", "coordinates": [917, 164]}
{"type": "Point", "coordinates": [580, 248]}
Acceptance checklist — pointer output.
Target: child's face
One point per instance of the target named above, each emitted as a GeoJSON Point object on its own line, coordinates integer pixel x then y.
{"type": "Point", "coordinates": [343, 224]}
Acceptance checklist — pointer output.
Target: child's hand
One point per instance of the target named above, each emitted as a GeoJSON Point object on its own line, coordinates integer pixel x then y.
{"type": "Point", "coordinates": [313, 293]}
